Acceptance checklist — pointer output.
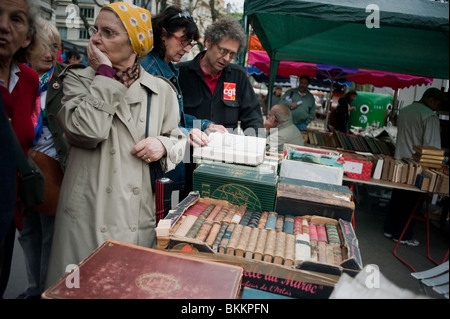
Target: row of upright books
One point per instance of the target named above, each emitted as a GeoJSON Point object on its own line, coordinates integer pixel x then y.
{"type": "Point", "coordinates": [414, 171]}
{"type": "Point", "coordinates": [359, 143]}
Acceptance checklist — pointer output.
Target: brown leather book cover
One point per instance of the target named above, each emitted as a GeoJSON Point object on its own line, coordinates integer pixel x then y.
{"type": "Point", "coordinates": [119, 270]}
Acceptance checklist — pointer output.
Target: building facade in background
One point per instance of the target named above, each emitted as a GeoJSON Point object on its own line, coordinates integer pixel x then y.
{"type": "Point", "coordinates": [73, 28]}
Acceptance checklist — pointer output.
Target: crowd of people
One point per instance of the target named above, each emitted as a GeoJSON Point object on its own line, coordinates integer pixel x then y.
{"type": "Point", "coordinates": [101, 126]}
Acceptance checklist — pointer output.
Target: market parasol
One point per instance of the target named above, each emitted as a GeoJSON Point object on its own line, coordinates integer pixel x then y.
{"type": "Point", "coordinates": [261, 60]}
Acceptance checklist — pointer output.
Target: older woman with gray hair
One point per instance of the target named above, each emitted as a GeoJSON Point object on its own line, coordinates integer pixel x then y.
{"type": "Point", "coordinates": [118, 120]}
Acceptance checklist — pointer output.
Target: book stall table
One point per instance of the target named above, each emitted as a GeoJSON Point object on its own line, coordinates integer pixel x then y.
{"type": "Point", "coordinates": [421, 195]}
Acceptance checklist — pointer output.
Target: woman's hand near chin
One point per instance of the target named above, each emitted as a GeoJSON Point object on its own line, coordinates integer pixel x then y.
{"type": "Point", "coordinates": [95, 56]}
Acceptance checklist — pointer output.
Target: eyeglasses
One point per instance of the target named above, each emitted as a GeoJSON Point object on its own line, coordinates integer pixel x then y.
{"type": "Point", "coordinates": [224, 52]}
{"type": "Point", "coordinates": [181, 15]}
{"type": "Point", "coordinates": [105, 33]}
{"type": "Point", "coordinates": [184, 42]}
{"type": "Point", "coordinates": [54, 48]}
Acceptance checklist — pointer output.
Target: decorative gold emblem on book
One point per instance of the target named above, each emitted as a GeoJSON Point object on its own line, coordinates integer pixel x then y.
{"type": "Point", "coordinates": [158, 283]}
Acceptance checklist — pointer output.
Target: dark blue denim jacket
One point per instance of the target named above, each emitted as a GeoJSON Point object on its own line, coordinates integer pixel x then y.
{"type": "Point", "coordinates": [156, 65]}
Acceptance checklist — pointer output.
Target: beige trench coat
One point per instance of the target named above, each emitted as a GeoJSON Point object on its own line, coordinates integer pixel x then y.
{"type": "Point", "coordinates": [106, 190]}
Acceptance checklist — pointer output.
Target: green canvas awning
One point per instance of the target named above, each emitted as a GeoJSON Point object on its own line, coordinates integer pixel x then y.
{"type": "Point", "coordinates": [412, 38]}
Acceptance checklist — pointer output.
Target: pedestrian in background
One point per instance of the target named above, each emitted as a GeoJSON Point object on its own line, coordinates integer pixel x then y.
{"type": "Point", "coordinates": [301, 103]}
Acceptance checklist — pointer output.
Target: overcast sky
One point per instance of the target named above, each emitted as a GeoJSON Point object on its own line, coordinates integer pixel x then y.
{"type": "Point", "coordinates": [238, 4]}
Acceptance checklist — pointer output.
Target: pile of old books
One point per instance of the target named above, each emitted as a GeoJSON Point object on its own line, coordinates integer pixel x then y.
{"type": "Point", "coordinates": [433, 176]}
{"type": "Point", "coordinates": [428, 156]}
{"type": "Point", "coordinates": [359, 143]}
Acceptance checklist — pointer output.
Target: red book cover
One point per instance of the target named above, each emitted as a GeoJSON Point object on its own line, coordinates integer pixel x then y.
{"type": "Point", "coordinates": [119, 270]}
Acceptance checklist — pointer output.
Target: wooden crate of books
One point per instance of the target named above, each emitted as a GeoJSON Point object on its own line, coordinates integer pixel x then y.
{"type": "Point", "coordinates": [251, 236]}
{"type": "Point", "coordinates": [118, 270]}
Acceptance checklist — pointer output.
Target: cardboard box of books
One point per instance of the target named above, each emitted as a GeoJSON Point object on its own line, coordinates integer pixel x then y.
{"type": "Point", "coordinates": [311, 164]}
{"type": "Point", "coordinates": [265, 241]}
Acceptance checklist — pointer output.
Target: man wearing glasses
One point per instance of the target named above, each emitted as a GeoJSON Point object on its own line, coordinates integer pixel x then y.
{"type": "Point", "coordinates": [216, 89]}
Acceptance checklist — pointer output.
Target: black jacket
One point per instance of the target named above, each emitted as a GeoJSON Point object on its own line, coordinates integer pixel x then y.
{"type": "Point", "coordinates": [219, 107]}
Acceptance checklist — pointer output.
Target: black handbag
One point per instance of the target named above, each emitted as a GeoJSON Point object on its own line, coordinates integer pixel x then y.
{"type": "Point", "coordinates": [31, 180]}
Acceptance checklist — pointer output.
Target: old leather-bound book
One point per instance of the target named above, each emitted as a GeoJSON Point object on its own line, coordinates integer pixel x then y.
{"type": "Point", "coordinates": [119, 270]}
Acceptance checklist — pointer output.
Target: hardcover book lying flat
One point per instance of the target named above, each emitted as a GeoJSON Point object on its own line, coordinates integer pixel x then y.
{"type": "Point", "coordinates": [119, 270]}
{"type": "Point", "coordinates": [232, 148]}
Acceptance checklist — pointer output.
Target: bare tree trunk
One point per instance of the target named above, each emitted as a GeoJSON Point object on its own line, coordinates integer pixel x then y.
{"type": "Point", "coordinates": [212, 4]}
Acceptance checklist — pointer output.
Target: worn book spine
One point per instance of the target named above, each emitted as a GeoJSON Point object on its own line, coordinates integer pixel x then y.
{"type": "Point", "coordinates": [288, 226]}
{"type": "Point", "coordinates": [234, 238]}
{"type": "Point", "coordinates": [322, 243]}
{"type": "Point", "coordinates": [298, 225]}
{"type": "Point", "coordinates": [251, 245]}
{"type": "Point", "coordinates": [263, 220]}
{"type": "Point", "coordinates": [186, 225]}
{"type": "Point", "coordinates": [255, 218]}
{"type": "Point", "coordinates": [260, 244]}
{"type": "Point", "coordinates": [230, 214]}
{"type": "Point", "coordinates": [313, 237]}
{"type": "Point", "coordinates": [305, 226]}
{"type": "Point", "coordinates": [279, 223]}
{"type": "Point", "coordinates": [246, 217]}
{"type": "Point", "coordinates": [269, 248]}
{"type": "Point", "coordinates": [221, 215]}
{"type": "Point", "coordinates": [204, 230]}
{"type": "Point", "coordinates": [199, 222]}
{"type": "Point", "coordinates": [302, 248]}
{"type": "Point", "coordinates": [226, 238]}
{"type": "Point", "coordinates": [196, 227]}
{"type": "Point", "coordinates": [218, 240]}
{"type": "Point", "coordinates": [214, 212]}
{"type": "Point", "coordinates": [271, 220]}
{"type": "Point", "coordinates": [280, 245]}
{"type": "Point", "coordinates": [213, 233]}
{"type": "Point", "coordinates": [243, 241]}
{"type": "Point", "coordinates": [289, 251]}
{"type": "Point", "coordinates": [240, 210]}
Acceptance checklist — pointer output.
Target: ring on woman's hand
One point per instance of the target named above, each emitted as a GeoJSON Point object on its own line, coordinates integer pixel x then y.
{"type": "Point", "coordinates": [148, 160]}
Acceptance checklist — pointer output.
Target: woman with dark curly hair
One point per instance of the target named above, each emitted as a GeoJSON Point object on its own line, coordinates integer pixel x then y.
{"type": "Point", "coordinates": [175, 34]}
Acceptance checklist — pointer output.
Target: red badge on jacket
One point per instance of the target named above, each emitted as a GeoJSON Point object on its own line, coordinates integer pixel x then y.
{"type": "Point", "coordinates": [229, 91]}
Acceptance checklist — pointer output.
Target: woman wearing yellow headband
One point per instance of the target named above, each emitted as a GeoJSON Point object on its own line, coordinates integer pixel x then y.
{"type": "Point", "coordinates": [107, 192]}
